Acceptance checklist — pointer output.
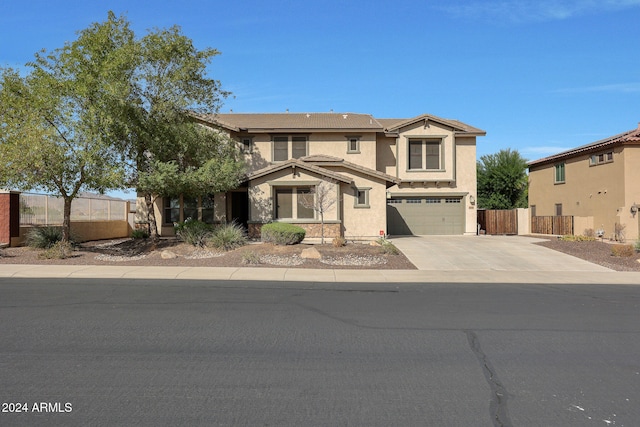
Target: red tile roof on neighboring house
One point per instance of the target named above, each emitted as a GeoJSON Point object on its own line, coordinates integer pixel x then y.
{"type": "Point", "coordinates": [631, 136]}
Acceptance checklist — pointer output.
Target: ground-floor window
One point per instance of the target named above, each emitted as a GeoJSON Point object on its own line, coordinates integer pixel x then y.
{"type": "Point", "coordinates": [177, 209]}
{"type": "Point", "coordinates": [293, 203]}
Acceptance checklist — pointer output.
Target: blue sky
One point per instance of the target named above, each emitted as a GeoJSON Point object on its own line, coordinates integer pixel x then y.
{"type": "Point", "coordinates": [539, 76]}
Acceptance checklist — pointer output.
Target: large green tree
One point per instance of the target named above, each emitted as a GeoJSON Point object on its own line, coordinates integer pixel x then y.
{"type": "Point", "coordinates": [109, 111]}
{"type": "Point", "coordinates": [56, 131]}
{"type": "Point", "coordinates": [166, 150]}
{"type": "Point", "coordinates": [502, 180]}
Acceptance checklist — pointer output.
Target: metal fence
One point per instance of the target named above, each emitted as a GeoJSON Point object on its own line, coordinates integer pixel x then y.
{"type": "Point", "coordinates": [41, 209]}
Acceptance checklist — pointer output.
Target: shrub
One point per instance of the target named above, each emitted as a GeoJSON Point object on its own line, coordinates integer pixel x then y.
{"type": "Point", "coordinates": [193, 232]}
{"type": "Point", "coordinates": [44, 237]}
{"type": "Point", "coordinates": [140, 233]}
{"type": "Point", "coordinates": [572, 238]}
{"type": "Point", "coordinates": [588, 232]}
{"type": "Point", "coordinates": [59, 250]}
{"type": "Point", "coordinates": [637, 245]}
{"type": "Point", "coordinates": [227, 237]}
{"type": "Point", "coordinates": [622, 250]}
{"type": "Point", "coordinates": [339, 241]}
{"type": "Point", "coordinates": [251, 258]}
{"type": "Point", "coordinates": [281, 233]}
{"type": "Point", "coordinates": [387, 247]}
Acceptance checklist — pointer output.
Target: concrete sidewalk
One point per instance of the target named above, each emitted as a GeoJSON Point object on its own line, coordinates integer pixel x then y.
{"type": "Point", "coordinates": [316, 275]}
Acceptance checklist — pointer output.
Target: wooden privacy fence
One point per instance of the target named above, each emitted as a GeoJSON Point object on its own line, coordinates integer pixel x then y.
{"type": "Point", "coordinates": [559, 225]}
{"type": "Point", "coordinates": [498, 221]}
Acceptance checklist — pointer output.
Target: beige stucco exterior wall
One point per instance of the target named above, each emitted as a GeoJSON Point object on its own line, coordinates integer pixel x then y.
{"type": "Point", "coordinates": [84, 231]}
{"type": "Point", "coordinates": [462, 175]}
{"type": "Point", "coordinates": [418, 130]}
{"type": "Point", "coordinates": [357, 222]}
{"type": "Point", "coordinates": [330, 144]}
{"type": "Point", "coordinates": [362, 223]}
{"type": "Point", "coordinates": [386, 155]}
{"type": "Point", "coordinates": [600, 192]}
{"type": "Point", "coordinates": [261, 196]}
{"type": "Point", "coordinates": [631, 155]}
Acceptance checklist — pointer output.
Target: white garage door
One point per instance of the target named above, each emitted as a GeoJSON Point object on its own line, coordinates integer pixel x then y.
{"type": "Point", "coordinates": [425, 215]}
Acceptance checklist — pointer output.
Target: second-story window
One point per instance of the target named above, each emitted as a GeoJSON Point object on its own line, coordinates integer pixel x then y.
{"type": "Point", "coordinates": [559, 173]}
{"type": "Point", "coordinates": [280, 148]}
{"type": "Point", "coordinates": [285, 148]}
{"type": "Point", "coordinates": [353, 144]}
{"type": "Point", "coordinates": [424, 154]}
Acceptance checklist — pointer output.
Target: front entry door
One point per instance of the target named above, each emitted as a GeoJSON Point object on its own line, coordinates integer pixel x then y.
{"type": "Point", "coordinates": [240, 207]}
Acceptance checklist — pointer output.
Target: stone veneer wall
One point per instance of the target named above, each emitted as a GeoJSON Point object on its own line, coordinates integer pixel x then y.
{"type": "Point", "coordinates": [312, 230]}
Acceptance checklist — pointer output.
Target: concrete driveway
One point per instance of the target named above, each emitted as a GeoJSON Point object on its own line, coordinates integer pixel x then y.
{"type": "Point", "coordinates": [500, 253]}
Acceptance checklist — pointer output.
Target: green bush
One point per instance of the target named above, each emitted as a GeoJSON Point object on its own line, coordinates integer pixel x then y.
{"type": "Point", "coordinates": [44, 237]}
{"type": "Point", "coordinates": [227, 237]}
{"type": "Point", "coordinates": [281, 233]}
{"type": "Point", "coordinates": [193, 232]}
{"type": "Point", "coordinates": [139, 233]}
{"type": "Point", "coordinates": [387, 247]}
{"type": "Point", "coordinates": [637, 245]}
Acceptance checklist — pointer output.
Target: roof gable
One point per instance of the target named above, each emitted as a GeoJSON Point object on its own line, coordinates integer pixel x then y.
{"type": "Point", "coordinates": [296, 163]}
{"type": "Point", "coordinates": [394, 125]}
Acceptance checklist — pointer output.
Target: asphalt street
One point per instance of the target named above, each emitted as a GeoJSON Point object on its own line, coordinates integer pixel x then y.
{"type": "Point", "coordinates": [179, 352]}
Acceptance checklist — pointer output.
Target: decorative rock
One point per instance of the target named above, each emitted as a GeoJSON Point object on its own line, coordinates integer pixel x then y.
{"type": "Point", "coordinates": [310, 253]}
{"type": "Point", "coordinates": [374, 243]}
{"type": "Point", "coordinates": [168, 255]}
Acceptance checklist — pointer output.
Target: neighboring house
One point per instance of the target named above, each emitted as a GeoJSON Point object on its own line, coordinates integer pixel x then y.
{"type": "Point", "coordinates": [389, 176]}
{"type": "Point", "coordinates": [597, 183]}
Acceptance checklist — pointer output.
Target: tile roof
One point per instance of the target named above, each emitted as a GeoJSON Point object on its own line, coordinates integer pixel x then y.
{"type": "Point", "coordinates": [295, 121]}
{"type": "Point", "coordinates": [305, 122]}
{"type": "Point", "coordinates": [630, 136]}
{"type": "Point", "coordinates": [324, 161]}
{"type": "Point", "coordinates": [301, 164]}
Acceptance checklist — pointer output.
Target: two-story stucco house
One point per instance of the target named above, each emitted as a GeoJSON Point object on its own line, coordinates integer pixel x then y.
{"type": "Point", "coordinates": [597, 183]}
{"type": "Point", "coordinates": [388, 176]}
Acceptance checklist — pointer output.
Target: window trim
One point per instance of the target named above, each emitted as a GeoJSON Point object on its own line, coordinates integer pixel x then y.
{"type": "Point", "coordinates": [556, 168]}
{"type": "Point", "coordinates": [607, 157]}
{"type": "Point", "coordinates": [289, 138]}
{"type": "Point", "coordinates": [246, 143]}
{"type": "Point", "coordinates": [294, 189]}
{"type": "Point", "coordinates": [557, 208]}
{"type": "Point", "coordinates": [426, 141]}
{"type": "Point", "coordinates": [351, 138]}
{"type": "Point", "coordinates": [365, 191]}
{"type": "Point", "coordinates": [181, 209]}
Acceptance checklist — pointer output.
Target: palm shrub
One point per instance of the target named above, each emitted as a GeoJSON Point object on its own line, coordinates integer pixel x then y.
{"type": "Point", "coordinates": [44, 237]}
{"type": "Point", "coordinates": [194, 232]}
{"type": "Point", "coordinates": [227, 237]}
{"type": "Point", "coordinates": [281, 233]}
